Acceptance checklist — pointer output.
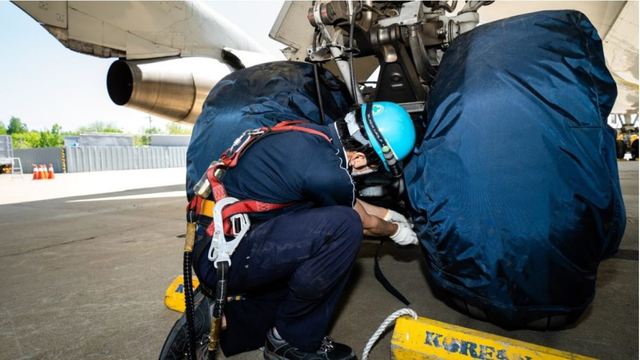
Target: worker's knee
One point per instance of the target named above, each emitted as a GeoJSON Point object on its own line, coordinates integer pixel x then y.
{"type": "Point", "coordinates": [334, 255]}
{"type": "Point", "coordinates": [347, 218]}
{"type": "Point", "coordinates": [349, 226]}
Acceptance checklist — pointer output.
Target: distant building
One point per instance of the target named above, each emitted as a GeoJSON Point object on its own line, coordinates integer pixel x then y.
{"type": "Point", "coordinates": [71, 141]}
{"type": "Point", "coordinates": [170, 140]}
{"type": "Point", "coordinates": [98, 140]}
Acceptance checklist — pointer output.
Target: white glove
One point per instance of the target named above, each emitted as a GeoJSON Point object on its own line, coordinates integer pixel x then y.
{"type": "Point", "coordinates": [404, 235]}
{"type": "Point", "coordinates": [394, 216]}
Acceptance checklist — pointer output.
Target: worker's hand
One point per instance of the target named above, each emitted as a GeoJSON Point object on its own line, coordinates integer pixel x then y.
{"type": "Point", "coordinates": [394, 216]}
{"type": "Point", "coordinates": [404, 235]}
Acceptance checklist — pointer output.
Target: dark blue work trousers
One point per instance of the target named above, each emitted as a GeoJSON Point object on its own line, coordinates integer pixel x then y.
{"type": "Point", "coordinates": [291, 271]}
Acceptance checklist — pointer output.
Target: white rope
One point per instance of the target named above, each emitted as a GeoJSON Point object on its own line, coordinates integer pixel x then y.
{"type": "Point", "coordinates": [383, 327]}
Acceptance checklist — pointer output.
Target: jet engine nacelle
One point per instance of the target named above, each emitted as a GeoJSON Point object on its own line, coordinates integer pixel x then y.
{"type": "Point", "coordinates": [174, 89]}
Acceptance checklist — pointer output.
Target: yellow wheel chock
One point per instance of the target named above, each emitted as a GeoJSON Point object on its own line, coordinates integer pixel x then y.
{"type": "Point", "coordinates": [174, 296]}
{"type": "Point", "coordinates": [422, 338]}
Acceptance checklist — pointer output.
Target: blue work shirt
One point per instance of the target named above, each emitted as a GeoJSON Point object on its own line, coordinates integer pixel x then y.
{"type": "Point", "coordinates": [296, 167]}
{"type": "Point", "coordinates": [261, 95]}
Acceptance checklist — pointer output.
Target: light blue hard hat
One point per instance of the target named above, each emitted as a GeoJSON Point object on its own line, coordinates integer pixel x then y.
{"type": "Point", "coordinates": [393, 126]}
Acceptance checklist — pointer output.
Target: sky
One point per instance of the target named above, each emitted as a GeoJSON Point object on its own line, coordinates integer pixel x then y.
{"type": "Point", "coordinates": [43, 83]}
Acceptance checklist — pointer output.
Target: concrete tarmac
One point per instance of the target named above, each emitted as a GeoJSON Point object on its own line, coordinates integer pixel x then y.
{"type": "Point", "coordinates": [86, 280]}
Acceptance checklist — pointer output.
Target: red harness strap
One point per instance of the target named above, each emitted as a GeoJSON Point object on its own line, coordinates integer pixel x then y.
{"type": "Point", "coordinates": [194, 207]}
{"type": "Point", "coordinates": [230, 158]}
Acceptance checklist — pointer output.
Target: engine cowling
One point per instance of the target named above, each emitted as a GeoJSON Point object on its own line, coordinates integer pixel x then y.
{"type": "Point", "coordinates": [174, 89]}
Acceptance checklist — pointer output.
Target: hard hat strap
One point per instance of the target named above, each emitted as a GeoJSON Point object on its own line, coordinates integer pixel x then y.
{"type": "Point", "coordinates": [356, 131]}
{"type": "Point", "coordinates": [389, 157]}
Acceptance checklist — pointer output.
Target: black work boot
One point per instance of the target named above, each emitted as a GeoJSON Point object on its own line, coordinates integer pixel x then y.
{"type": "Point", "coordinates": [277, 348]}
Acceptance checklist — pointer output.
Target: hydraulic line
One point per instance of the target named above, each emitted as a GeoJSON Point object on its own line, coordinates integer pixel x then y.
{"type": "Point", "coordinates": [218, 308]}
{"type": "Point", "coordinates": [188, 286]}
{"type": "Point", "coordinates": [337, 53]}
{"type": "Point", "coordinates": [317, 81]}
{"type": "Point", "coordinates": [352, 78]}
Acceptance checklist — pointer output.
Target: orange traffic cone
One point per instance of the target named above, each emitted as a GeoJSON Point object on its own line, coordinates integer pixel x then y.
{"type": "Point", "coordinates": [43, 172]}
{"type": "Point", "coordinates": [51, 174]}
{"type": "Point", "coordinates": [36, 172]}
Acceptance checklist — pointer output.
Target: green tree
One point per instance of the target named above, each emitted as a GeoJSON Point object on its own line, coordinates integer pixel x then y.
{"type": "Point", "coordinates": [177, 129]}
{"type": "Point", "coordinates": [145, 139]}
{"type": "Point", "coordinates": [51, 138]}
{"type": "Point", "coordinates": [100, 127]}
{"type": "Point", "coordinates": [3, 129]}
{"type": "Point", "coordinates": [141, 140]}
{"type": "Point", "coordinates": [152, 131]}
{"type": "Point", "coordinates": [16, 126]}
{"type": "Point", "coordinates": [26, 140]}
{"type": "Point", "coordinates": [38, 139]}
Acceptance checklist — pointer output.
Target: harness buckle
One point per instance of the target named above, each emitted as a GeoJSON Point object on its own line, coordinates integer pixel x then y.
{"type": "Point", "coordinates": [221, 248]}
{"type": "Point", "coordinates": [239, 224]}
{"type": "Point", "coordinates": [258, 131]}
{"type": "Point", "coordinates": [243, 140]}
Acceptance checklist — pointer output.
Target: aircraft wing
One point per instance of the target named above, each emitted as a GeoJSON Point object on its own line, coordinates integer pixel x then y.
{"type": "Point", "coordinates": [171, 52]}
{"type": "Point", "coordinates": [621, 51]}
{"type": "Point", "coordinates": [139, 29]}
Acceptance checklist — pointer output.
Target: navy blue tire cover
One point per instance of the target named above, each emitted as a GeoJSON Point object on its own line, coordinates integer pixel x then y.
{"type": "Point", "coordinates": [261, 95]}
{"type": "Point", "coordinates": [515, 186]}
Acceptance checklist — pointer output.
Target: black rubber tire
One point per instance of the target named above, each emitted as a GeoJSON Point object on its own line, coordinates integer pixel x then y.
{"type": "Point", "coordinates": [175, 345]}
{"type": "Point", "coordinates": [621, 149]}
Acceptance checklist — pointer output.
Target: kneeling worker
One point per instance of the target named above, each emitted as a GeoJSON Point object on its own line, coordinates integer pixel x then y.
{"type": "Point", "coordinates": [291, 268]}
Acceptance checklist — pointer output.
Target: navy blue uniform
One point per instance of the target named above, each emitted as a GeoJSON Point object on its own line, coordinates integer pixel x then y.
{"type": "Point", "coordinates": [261, 95]}
{"type": "Point", "coordinates": [293, 264]}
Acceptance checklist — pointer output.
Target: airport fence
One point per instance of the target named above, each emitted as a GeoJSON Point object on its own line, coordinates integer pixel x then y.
{"type": "Point", "coordinates": [103, 158]}
{"type": "Point", "coordinates": [50, 155]}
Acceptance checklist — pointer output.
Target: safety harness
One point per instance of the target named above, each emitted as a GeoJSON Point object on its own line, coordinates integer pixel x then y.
{"type": "Point", "coordinates": [229, 214]}
{"type": "Point", "coordinates": [229, 218]}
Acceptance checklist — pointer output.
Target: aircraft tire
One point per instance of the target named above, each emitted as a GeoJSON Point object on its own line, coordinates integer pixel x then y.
{"type": "Point", "coordinates": [175, 345]}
